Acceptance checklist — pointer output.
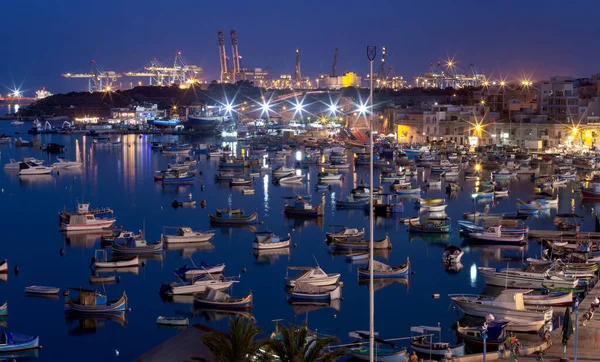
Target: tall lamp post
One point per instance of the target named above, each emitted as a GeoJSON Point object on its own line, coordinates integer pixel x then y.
{"type": "Point", "coordinates": [484, 337]}
{"type": "Point", "coordinates": [371, 52]}
{"type": "Point", "coordinates": [576, 310]}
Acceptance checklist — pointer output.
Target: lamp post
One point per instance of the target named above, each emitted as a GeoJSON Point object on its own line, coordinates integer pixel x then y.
{"type": "Point", "coordinates": [371, 51]}
{"type": "Point", "coordinates": [576, 310]}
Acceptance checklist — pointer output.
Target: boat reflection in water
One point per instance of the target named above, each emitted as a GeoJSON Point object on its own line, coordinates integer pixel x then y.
{"type": "Point", "coordinates": [26, 355]}
{"type": "Point", "coordinates": [188, 249]}
{"type": "Point", "coordinates": [135, 270]}
{"type": "Point", "coordinates": [502, 253]}
{"type": "Point", "coordinates": [4, 277]}
{"type": "Point", "coordinates": [442, 240]}
{"type": "Point", "coordinates": [84, 238]}
{"type": "Point", "coordinates": [382, 283]}
{"type": "Point", "coordinates": [211, 315]}
{"type": "Point", "coordinates": [80, 324]}
{"type": "Point", "coordinates": [299, 224]}
{"type": "Point", "coordinates": [381, 253]}
{"type": "Point", "coordinates": [229, 230]}
{"type": "Point", "coordinates": [306, 306]}
{"type": "Point", "coordinates": [34, 180]}
{"type": "Point", "coordinates": [453, 268]}
{"type": "Point", "coordinates": [3, 322]}
{"type": "Point", "coordinates": [269, 256]}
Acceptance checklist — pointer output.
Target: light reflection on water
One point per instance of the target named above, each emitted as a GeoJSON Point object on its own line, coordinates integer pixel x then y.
{"type": "Point", "coordinates": [266, 193]}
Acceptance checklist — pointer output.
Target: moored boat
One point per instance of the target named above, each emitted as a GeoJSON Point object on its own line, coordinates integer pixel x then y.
{"type": "Point", "coordinates": [186, 235]}
{"type": "Point", "coordinates": [381, 270]}
{"type": "Point", "coordinates": [91, 301]}
{"type": "Point", "coordinates": [172, 321]}
{"type": "Point", "coordinates": [216, 299]}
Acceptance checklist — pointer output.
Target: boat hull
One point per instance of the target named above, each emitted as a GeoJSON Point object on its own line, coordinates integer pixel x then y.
{"type": "Point", "coordinates": [118, 306]}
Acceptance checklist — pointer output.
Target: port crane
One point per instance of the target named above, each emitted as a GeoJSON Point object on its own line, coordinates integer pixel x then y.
{"type": "Point", "coordinates": [180, 73]}
{"type": "Point", "coordinates": [98, 80]}
{"type": "Point", "coordinates": [154, 77]}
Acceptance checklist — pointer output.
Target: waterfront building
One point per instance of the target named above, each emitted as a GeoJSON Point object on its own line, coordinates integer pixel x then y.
{"type": "Point", "coordinates": [558, 99]}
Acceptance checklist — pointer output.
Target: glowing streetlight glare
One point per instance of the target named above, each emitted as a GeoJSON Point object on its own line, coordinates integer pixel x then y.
{"type": "Point", "coordinates": [265, 107]}
{"type": "Point", "coordinates": [477, 127]}
{"type": "Point", "coordinates": [482, 101]}
{"type": "Point", "coordinates": [575, 130]}
{"type": "Point", "coordinates": [362, 109]}
{"type": "Point", "coordinates": [299, 107]}
{"type": "Point", "coordinates": [502, 83]}
{"type": "Point", "coordinates": [228, 108]}
{"type": "Point", "coordinates": [332, 108]}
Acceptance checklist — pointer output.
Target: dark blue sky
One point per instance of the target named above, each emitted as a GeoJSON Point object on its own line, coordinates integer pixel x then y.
{"type": "Point", "coordinates": [43, 38]}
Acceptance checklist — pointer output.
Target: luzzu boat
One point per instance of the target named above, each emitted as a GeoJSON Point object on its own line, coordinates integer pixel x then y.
{"type": "Point", "coordinates": [231, 218]}
{"type": "Point", "coordinates": [216, 299]}
{"type": "Point", "coordinates": [301, 208]}
{"type": "Point", "coordinates": [91, 301]}
{"type": "Point", "coordinates": [381, 270]}
{"type": "Point", "coordinates": [136, 246]}
{"type": "Point", "coordinates": [12, 342]}
{"type": "Point", "coordinates": [430, 226]}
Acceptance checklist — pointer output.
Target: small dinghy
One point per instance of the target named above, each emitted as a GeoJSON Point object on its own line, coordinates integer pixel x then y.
{"type": "Point", "coordinates": [37, 289]}
{"type": "Point", "coordinates": [172, 321]}
{"type": "Point", "coordinates": [4, 266]}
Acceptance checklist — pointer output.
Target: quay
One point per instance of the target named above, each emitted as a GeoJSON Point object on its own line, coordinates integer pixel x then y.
{"type": "Point", "coordinates": [564, 235]}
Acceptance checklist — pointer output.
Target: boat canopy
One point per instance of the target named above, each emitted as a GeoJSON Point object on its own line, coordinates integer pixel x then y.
{"type": "Point", "coordinates": [304, 287]}
{"type": "Point", "coordinates": [424, 329]}
{"type": "Point", "coordinates": [216, 295]}
{"type": "Point", "coordinates": [381, 267]}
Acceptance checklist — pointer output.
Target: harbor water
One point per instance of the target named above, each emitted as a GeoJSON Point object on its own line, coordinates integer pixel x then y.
{"type": "Point", "coordinates": [122, 178]}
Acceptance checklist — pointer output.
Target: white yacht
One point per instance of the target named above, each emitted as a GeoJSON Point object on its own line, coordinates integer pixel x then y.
{"type": "Point", "coordinates": [30, 168]}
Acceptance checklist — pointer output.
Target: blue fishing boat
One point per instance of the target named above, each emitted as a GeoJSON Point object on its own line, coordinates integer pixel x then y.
{"type": "Point", "coordinates": [12, 342]}
{"type": "Point", "coordinates": [136, 246]}
{"type": "Point", "coordinates": [178, 178]}
{"type": "Point", "coordinates": [352, 202]}
{"type": "Point", "coordinates": [384, 351]}
{"type": "Point", "coordinates": [230, 218]}
{"type": "Point", "coordinates": [162, 122]}
{"type": "Point", "coordinates": [4, 309]}
{"type": "Point", "coordinates": [468, 227]}
{"type": "Point", "coordinates": [381, 270]}
{"type": "Point", "coordinates": [430, 226]}
{"type": "Point", "coordinates": [91, 301]}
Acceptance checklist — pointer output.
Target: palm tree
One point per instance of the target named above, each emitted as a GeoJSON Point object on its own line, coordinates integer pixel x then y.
{"type": "Point", "coordinates": [298, 345]}
{"type": "Point", "coordinates": [238, 345]}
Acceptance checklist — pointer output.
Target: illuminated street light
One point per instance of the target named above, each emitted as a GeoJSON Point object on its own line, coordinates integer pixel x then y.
{"type": "Point", "coordinates": [298, 108]}
{"type": "Point", "coordinates": [228, 108]}
{"type": "Point", "coordinates": [362, 109]}
{"type": "Point", "coordinates": [477, 127]}
{"type": "Point", "coordinates": [482, 101]}
{"type": "Point", "coordinates": [332, 108]}
{"type": "Point", "coordinates": [502, 83]}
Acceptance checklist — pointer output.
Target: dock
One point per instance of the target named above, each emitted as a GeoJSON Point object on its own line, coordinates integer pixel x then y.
{"type": "Point", "coordinates": [564, 235]}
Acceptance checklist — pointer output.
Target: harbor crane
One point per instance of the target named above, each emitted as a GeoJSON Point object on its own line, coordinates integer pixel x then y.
{"type": "Point", "coordinates": [235, 55]}
{"type": "Point", "coordinates": [98, 80]}
{"type": "Point", "coordinates": [334, 66]}
{"type": "Point", "coordinates": [154, 77]}
{"type": "Point", "coordinates": [181, 73]}
{"type": "Point", "coordinates": [222, 56]}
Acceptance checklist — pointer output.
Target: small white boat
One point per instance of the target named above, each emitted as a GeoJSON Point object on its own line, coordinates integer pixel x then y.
{"type": "Point", "coordinates": [13, 165]}
{"type": "Point", "coordinates": [283, 171]}
{"type": "Point", "coordinates": [199, 285]}
{"type": "Point", "coordinates": [494, 235]}
{"type": "Point", "coordinates": [291, 179]}
{"type": "Point", "coordinates": [310, 275]}
{"type": "Point", "coordinates": [553, 299]}
{"type": "Point", "coordinates": [37, 289]}
{"type": "Point", "coordinates": [172, 321]}
{"type": "Point", "coordinates": [64, 163]}
{"type": "Point", "coordinates": [121, 263]}
{"type": "Point", "coordinates": [187, 235]}
{"type": "Point", "coordinates": [30, 168]}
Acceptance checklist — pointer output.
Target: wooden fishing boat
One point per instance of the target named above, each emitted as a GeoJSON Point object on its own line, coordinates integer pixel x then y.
{"type": "Point", "coordinates": [495, 330]}
{"type": "Point", "coordinates": [233, 219]}
{"type": "Point", "coordinates": [216, 299]}
{"type": "Point", "coordinates": [103, 279]}
{"type": "Point", "coordinates": [345, 234]}
{"type": "Point", "coordinates": [240, 182]}
{"type": "Point", "coordinates": [301, 208]}
{"type": "Point", "coordinates": [430, 226]}
{"type": "Point", "coordinates": [509, 304]}
{"type": "Point", "coordinates": [203, 268]}
{"type": "Point", "coordinates": [553, 299]}
{"type": "Point", "coordinates": [198, 285]}
{"type": "Point", "coordinates": [408, 190]}
{"type": "Point", "coordinates": [307, 291]}
{"type": "Point", "coordinates": [381, 270]}
{"type": "Point", "coordinates": [187, 235]}
{"type": "Point", "coordinates": [172, 321]}
{"type": "Point", "coordinates": [311, 275]}
{"type": "Point", "coordinates": [37, 289]}
{"type": "Point", "coordinates": [495, 235]}
{"type": "Point", "coordinates": [91, 301]}
{"type": "Point", "coordinates": [13, 342]}
{"type": "Point", "coordinates": [101, 261]}
{"type": "Point", "coordinates": [132, 246]}
{"type": "Point", "coordinates": [268, 240]}
{"type": "Point", "coordinates": [424, 345]}
{"type": "Point", "coordinates": [352, 203]}
{"type": "Point", "coordinates": [86, 222]}
{"type": "Point", "coordinates": [361, 244]}
{"type": "Point", "coordinates": [178, 178]}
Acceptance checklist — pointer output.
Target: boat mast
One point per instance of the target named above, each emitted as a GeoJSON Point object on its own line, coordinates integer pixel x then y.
{"type": "Point", "coordinates": [371, 51]}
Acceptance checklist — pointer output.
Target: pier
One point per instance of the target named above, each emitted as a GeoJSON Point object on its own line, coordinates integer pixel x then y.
{"type": "Point", "coordinates": [563, 235]}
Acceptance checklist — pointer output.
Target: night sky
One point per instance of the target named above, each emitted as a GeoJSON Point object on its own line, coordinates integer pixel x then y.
{"type": "Point", "coordinates": [43, 38]}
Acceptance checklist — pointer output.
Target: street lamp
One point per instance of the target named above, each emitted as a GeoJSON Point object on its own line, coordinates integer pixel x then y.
{"type": "Point", "coordinates": [576, 310]}
{"type": "Point", "coordinates": [484, 337]}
